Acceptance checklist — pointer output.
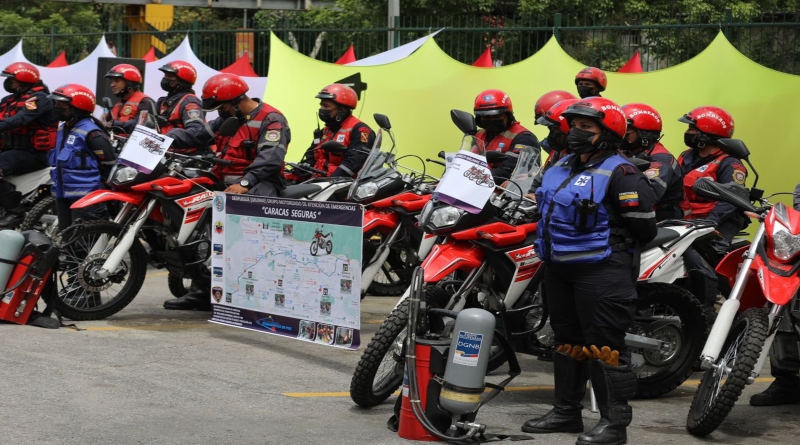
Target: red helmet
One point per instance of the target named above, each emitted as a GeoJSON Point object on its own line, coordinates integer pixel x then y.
{"type": "Point", "coordinates": [127, 72]}
{"type": "Point", "coordinates": [605, 111]}
{"type": "Point", "coordinates": [182, 70]}
{"type": "Point", "coordinates": [491, 102]}
{"type": "Point", "coordinates": [554, 118]}
{"type": "Point", "coordinates": [712, 121]}
{"type": "Point", "coordinates": [76, 95]}
{"type": "Point", "coordinates": [221, 88]}
{"type": "Point", "coordinates": [548, 100]}
{"type": "Point", "coordinates": [339, 93]}
{"type": "Point", "coordinates": [595, 74]}
{"type": "Point", "coordinates": [22, 72]}
{"type": "Point", "coordinates": [642, 117]}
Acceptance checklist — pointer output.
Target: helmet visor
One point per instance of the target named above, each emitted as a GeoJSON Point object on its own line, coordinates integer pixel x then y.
{"type": "Point", "coordinates": [493, 112]}
{"type": "Point", "coordinates": [687, 120]}
{"type": "Point", "coordinates": [211, 104]}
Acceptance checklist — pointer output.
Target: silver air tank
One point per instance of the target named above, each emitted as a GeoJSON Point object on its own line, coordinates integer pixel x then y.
{"type": "Point", "coordinates": [467, 360]}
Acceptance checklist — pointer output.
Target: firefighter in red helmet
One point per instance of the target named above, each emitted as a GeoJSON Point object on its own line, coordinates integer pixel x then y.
{"type": "Point", "coordinates": [182, 109]}
{"type": "Point", "coordinates": [336, 105]}
{"type": "Point", "coordinates": [590, 81]}
{"type": "Point", "coordinates": [500, 131]}
{"type": "Point", "coordinates": [256, 152]}
{"type": "Point", "coordinates": [126, 84]}
{"type": "Point", "coordinates": [27, 133]}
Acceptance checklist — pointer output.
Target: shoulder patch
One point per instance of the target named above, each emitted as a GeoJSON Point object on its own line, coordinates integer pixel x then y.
{"type": "Point", "coordinates": [739, 176]}
{"type": "Point", "coordinates": [193, 114]}
{"type": "Point", "coordinates": [364, 135]}
{"type": "Point", "coordinates": [30, 104]}
{"type": "Point", "coordinates": [629, 199]}
{"type": "Point", "coordinates": [273, 136]}
{"type": "Point", "coordinates": [651, 173]}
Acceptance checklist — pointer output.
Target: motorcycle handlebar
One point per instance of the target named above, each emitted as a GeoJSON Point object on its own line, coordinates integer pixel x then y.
{"type": "Point", "coordinates": [210, 158]}
{"type": "Point", "coordinates": [307, 168]}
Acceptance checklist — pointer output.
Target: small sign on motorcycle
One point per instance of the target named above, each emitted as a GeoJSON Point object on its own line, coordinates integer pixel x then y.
{"type": "Point", "coordinates": [467, 182]}
{"type": "Point", "coordinates": [144, 149]}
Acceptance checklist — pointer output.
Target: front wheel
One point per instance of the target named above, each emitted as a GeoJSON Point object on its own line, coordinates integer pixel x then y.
{"type": "Point", "coordinates": [722, 385]}
{"type": "Point", "coordinates": [82, 293]}
{"type": "Point", "coordinates": [673, 317]}
{"type": "Point", "coordinates": [314, 248]}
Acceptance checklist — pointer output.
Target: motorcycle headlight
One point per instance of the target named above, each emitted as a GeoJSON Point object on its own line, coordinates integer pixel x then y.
{"type": "Point", "coordinates": [445, 216]}
{"type": "Point", "coordinates": [123, 175]}
{"type": "Point", "coordinates": [366, 190]}
{"type": "Point", "coordinates": [786, 245]}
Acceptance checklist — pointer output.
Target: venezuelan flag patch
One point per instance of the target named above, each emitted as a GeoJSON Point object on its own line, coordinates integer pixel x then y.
{"type": "Point", "coordinates": [629, 199]}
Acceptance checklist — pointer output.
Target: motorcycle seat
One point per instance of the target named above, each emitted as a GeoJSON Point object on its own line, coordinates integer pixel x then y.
{"type": "Point", "coordinates": [663, 236]}
{"type": "Point", "coordinates": [300, 190]}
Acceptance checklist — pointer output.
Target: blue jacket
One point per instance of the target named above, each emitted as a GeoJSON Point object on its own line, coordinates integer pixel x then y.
{"type": "Point", "coordinates": [76, 170]}
{"type": "Point", "coordinates": [565, 234]}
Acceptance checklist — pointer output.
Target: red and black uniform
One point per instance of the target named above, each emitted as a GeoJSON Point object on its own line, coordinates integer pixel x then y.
{"type": "Point", "coordinates": [257, 150]}
{"type": "Point", "coordinates": [183, 110]}
{"type": "Point", "coordinates": [722, 169]}
{"type": "Point", "coordinates": [126, 112]}
{"type": "Point", "coordinates": [666, 180]}
{"type": "Point", "coordinates": [510, 141]}
{"type": "Point", "coordinates": [353, 134]}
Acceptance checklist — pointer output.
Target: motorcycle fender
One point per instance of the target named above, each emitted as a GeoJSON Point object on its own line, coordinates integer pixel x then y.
{"type": "Point", "coordinates": [385, 221]}
{"type": "Point", "coordinates": [100, 196]}
{"type": "Point", "coordinates": [729, 266]}
{"type": "Point", "coordinates": [447, 258]}
{"type": "Point", "coordinates": [777, 289]}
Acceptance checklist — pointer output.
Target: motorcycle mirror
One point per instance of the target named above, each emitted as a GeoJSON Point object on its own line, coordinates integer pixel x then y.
{"type": "Point", "coordinates": [464, 121]}
{"type": "Point", "coordinates": [229, 127]}
{"type": "Point", "coordinates": [734, 147]}
{"type": "Point", "coordinates": [494, 157]}
{"type": "Point", "coordinates": [383, 121]}
{"type": "Point", "coordinates": [641, 164]}
{"type": "Point", "coordinates": [333, 147]}
{"type": "Point", "coordinates": [441, 154]}
{"type": "Point", "coordinates": [146, 119]}
{"type": "Point", "coordinates": [107, 103]}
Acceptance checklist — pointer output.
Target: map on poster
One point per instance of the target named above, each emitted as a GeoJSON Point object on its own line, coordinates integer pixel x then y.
{"type": "Point", "coordinates": [288, 267]}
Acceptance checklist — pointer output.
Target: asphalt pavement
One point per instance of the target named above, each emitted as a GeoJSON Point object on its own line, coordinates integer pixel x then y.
{"type": "Point", "coordinates": [151, 376]}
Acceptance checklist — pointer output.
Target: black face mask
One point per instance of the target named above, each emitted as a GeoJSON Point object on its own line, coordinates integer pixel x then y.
{"type": "Point", "coordinates": [580, 141]}
{"type": "Point", "coordinates": [166, 85]}
{"type": "Point", "coordinates": [325, 116]}
{"type": "Point", "coordinates": [630, 148]}
{"type": "Point", "coordinates": [7, 85]}
{"type": "Point", "coordinates": [554, 140]}
{"type": "Point", "coordinates": [585, 92]}
{"type": "Point", "coordinates": [61, 114]}
{"type": "Point", "coordinates": [691, 140]}
{"type": "Point", "coordinates": [493, 126]}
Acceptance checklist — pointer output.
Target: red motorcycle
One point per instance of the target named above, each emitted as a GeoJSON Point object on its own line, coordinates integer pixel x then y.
{"type": "Point", "coordinates": [765, 280]}
{"type": "Point", "coordinates": [321, 241]}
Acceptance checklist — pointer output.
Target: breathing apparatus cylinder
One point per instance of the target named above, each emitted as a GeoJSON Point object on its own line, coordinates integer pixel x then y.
{"type": "Point", "coordinates": [467, 360]}
{"type": "Point", "coordinates": [11, 243]}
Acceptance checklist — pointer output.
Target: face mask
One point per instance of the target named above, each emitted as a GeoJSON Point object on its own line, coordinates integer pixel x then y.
{"type": "Point", "coordinates": [7, 85]}
{"type": "Point", "coordinates": [629, 147]}
{"type": "Point", "coordinates": [691, 140]}
{"type": "Point", "coordinates": [60, 114]}
{"type": "Point", "coordinates": [493, 127]}
{"type": "Point", "coordinates": [580, 141]}
{"type": "Point", "coordinates": [554, 140]}
{"type": "Point", "coordinates": [166, 85]}
{"type": "Point", "coordinates": [325, 116]}
{"type": "Point", "coordinates": [585, 92]}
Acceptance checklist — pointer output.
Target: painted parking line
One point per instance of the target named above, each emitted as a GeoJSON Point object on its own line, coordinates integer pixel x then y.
{"type": "Point", "coordinates": [158, 327]}
{"type": "Point", "coordinates": [301, 395]}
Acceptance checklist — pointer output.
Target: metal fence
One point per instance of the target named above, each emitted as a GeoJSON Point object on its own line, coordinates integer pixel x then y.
{"type": "Point", "coordinates": [772, 40]}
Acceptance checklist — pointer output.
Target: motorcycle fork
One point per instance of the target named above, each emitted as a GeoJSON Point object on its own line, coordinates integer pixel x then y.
{"type": "Point", "coordinates": [379, 258]}
{"type": "Point", "coordinates": [722, 325]}
{"type": "Point", "coordinates": [102, 241]}
{"type": "Point", "coordinates": [459, 299]}
{"type": "Point", "coordinates": [124, 242]}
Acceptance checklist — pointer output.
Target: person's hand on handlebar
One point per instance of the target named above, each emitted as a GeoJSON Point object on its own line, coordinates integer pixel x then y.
{"type": "Point", "coordinates": [237, 189]}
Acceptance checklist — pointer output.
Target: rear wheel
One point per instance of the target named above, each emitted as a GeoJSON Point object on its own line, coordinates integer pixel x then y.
{"type": "Point", "coordinates": [82, 293]}
{"type": "Point", "coordinates": [722, 385]}
{"type": "Point", "coordinates": [42, 217]}
{"type": "Point", "coordinates": [394, 275]}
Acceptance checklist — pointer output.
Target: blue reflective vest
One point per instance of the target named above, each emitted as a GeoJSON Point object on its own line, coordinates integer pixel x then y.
{"type": "Point", "coordinates": [76, 171]}
{"type": "Point", "coordinates": [564, 234]}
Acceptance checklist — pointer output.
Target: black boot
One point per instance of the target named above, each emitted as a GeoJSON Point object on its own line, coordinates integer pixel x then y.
{"type": "Point", "coordinates": [199, 295]}
{"type": "Point", "coordinates": [613, 386]}
{"type": "Point", "coordinates": [785, 390]}
{"type": "Point", "coordinates": [14, 211]}
{"type": "Point", "coordinates": [706, 290]}
{"type": "Point", "coordinates": [570, 388]}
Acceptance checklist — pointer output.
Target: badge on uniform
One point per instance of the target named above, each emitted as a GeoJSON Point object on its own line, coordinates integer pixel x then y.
{"type": "Point", "coordinates": [30, 104]}
{"type": "Point", "coordinates": [71, 139]}
{"type": "Point", "coordinates": [364, 137]}
{"type": "Point", "coordinates": [193, 114]}
{"type": "Point", "coordinates": [582, 180]}
{"type": "Point", "coordinates": [339, 138]}
{"type": "Point", "coordinates": [127, 110]}
{"type": "Point", "coordinates": [273, 136]}
{"type": "Point", "coordinates": [703, 168]}
{"type": "Point", "coordinates": [739, 176]}
{"type": "Point", "coordinates": [629, 199]}
{"type": "Point", "coordinates": [651, 173]}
